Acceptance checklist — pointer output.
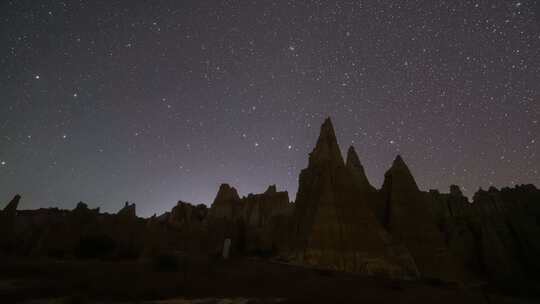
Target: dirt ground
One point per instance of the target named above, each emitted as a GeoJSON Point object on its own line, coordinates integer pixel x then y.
{"type": "Point", "coordinates": [204, 280]}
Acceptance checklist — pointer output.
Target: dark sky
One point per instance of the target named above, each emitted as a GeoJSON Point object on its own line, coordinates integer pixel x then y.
{"type": "Point", "coordinates": [156, 101]}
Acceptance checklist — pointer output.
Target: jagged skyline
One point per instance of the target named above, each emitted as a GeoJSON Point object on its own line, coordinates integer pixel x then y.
{"type": "Point", "coordinates": [326, 149]}
{"type": "Point", "coordinates": [326, 132]}
{"type": "Point", "coordinates": [338, 222]}
{"type": "Point", "coordinates": [157, 102]}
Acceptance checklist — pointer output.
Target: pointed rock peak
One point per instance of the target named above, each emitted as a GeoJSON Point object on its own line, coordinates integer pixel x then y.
{"type": "Point", "coordinates": [400, 173]}
{"type": "Point", "coordinates": [13, 204]}
{"type": "Point", "coordinates": [226, 193]}
{"type": "Point", "coordinates": [355, 166]}
{"type": "Point", "coordinates": [327, 125]}
{"type": "Point", "coordinates": [327, 133]}
{"type": "Point", "coordinates": [327, 148]}
{"type": "Point", "coordinates": [400, 165]}
{"type": "Point", "coordinates": [271, 189]}
{"type": "Point", "coordinates": [399, 162]}
{"type": "Point", "coordinates": [352, 158]}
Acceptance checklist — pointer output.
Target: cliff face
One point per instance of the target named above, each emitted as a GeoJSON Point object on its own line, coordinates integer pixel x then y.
{"type": "Point", "coordinates": [496, 235]}
{"type": "Point", "coordinates": [333, 224]}
{"type": "Point", "coordinates": [254, 209]}
{"type": "Point", "coordinates": [362, 184]}
{"type": "Point", "coordinates": [407, 217]}
{"type": "Point", "coordinates": [227, 203]}
{"type": "Point", "coordinates": [339, 221]}
{"type": "Point", "coordinates": [357, 171]}
{"type": "Point", "coordinates": [254, 223]}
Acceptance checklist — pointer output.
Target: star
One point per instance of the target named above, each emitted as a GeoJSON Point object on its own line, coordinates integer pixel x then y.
{"type": "Point", "coordinates": [274, 84]}
{"type": "Point", "coordinates": [3, 163]}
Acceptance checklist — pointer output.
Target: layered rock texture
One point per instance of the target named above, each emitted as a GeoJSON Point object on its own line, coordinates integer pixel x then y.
{"type": "Point", "coordinates": [339, 221]}
{"type": "Point", "coordinates": [406, 215]}
{"type": "Point", "coordinates": [497, 235]}
{"type": "Point", "coordinates": [333, 224]}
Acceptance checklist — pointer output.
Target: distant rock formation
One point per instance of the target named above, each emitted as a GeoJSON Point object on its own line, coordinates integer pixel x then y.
{"type": "Point", "coordinates": [226, 205]}
{"type": "Point", "coordinates": [497, 234]}
{"type": "Point", "coordinates": [406, 215]}
{"type": "Point", "coordinates": [186, 214]}
{"type": "Point", "coordinates": [339, 221]}
{"type": "Point", "coordinates": [334, 226]}
{"type": "Point", "coordinates": [258, 209]}
{"type": "Point", "coordinates": [251, 222]}
{"type": "Point", "coordinates": [129, 211]}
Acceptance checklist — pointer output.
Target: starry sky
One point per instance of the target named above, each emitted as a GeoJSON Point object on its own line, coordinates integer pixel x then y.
{"type": "Point", "coordinates": [157, 101]}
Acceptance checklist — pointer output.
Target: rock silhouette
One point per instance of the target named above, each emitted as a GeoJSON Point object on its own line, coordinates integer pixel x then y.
{"type": "Point", "coordinates": [227, 203]}
{"type": "Point", "coordinates": [334, 225]}
{"type": "Point", "coordinates": [339, 221]}
{"type": "Point", "coordinates": [407, 217]}
{"type": "Point", "coordinates": [497, 234]}
{"type": "Point", "coordinates": [359, 175]}
{"type": "Point", "coordinates": [12, 206]}
{"type": "Point", "coordinates": [129, 211]}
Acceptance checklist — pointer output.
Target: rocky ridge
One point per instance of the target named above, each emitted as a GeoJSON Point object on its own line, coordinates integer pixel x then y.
{"type": "Point", "coordinates": [338, 221]}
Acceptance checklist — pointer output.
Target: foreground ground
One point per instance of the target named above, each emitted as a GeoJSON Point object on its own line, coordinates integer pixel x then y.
{"type": "Point", "coordinates": [212, 281]}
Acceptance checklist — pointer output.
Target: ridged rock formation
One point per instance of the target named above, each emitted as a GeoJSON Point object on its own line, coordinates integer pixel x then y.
{"type": "Point", "coordinates": [453, 213]}
{"type": "Point", "coordinates": [368, 192]}
{"type": "Point", "coordinates": [258, 209]}
{"type": "Point", "coordinates": [334, 226]}
{"type": "Point", "coordinates": [406, 215]}
{"type": "Point", "coordinates": [226, 205]}
{"type": "Point", "coordinates": [129, 211]}
{"type": "Point", "coordinates": [339, 221]}
{"type": "Point", "coordinates": [495, 236]}
{"type": "Point", "coordinates": [359, 175]}
{"type": "Point", "coordinates": [186, 214]}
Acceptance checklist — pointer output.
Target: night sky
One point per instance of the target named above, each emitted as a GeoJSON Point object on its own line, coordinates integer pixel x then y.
{"type": "Point", "coordinates": [158, 101]}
